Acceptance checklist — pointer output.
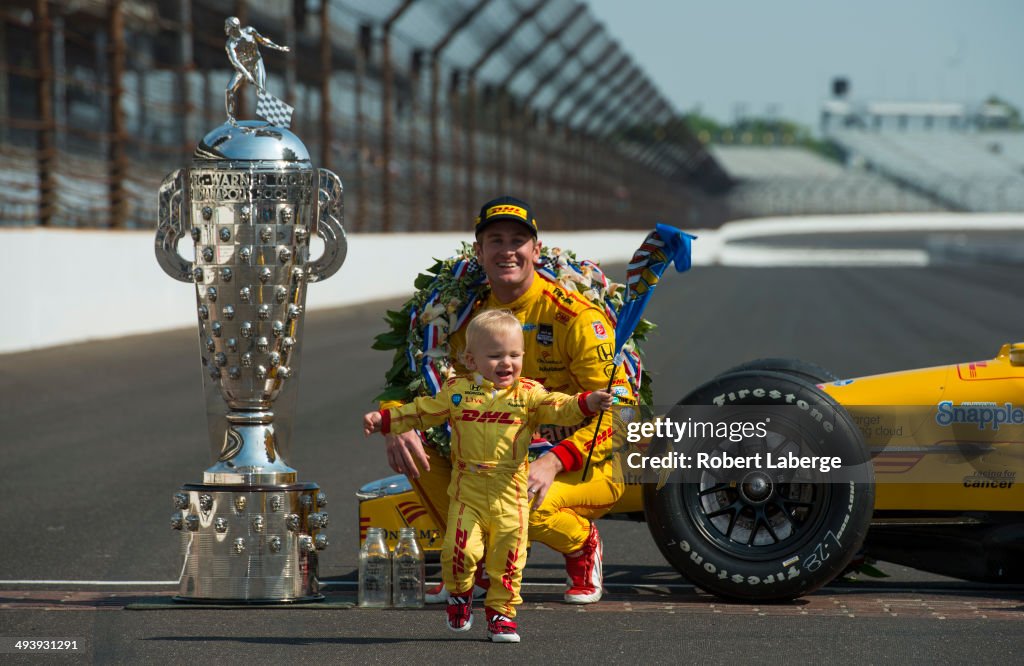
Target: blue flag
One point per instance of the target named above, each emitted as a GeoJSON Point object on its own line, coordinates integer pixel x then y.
{"type": "Point", "coordinates": [663, 246]}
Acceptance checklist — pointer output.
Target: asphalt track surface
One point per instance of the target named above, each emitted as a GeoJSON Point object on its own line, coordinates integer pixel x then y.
{"type": "Point", "coordinates": [98, 436]}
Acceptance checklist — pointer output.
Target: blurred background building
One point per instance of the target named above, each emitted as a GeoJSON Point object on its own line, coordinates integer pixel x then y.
{"type": "Point", "coordinates": [427, 108]}
{"type": "Point", "coordinates": [874, 156]}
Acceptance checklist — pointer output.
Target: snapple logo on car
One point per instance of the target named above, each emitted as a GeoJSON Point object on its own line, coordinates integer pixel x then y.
{"type": "Point", "coordinates": [982, 414]}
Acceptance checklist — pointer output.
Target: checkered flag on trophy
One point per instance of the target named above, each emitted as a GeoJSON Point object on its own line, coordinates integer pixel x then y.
{"type": "Point", "coordinates": [273, 110]}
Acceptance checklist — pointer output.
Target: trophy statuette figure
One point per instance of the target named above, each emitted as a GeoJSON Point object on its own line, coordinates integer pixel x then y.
{"type": "Point", "coordinates": [250, 202]}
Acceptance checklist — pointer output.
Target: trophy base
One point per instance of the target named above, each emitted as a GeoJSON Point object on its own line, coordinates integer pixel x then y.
{"type": "Point", "coordinates": [248, 602]}
{"type": "Point", "coordinates": [254, 544]}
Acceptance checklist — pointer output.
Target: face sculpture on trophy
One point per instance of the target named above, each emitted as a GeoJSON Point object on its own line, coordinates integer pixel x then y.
{"type": "Point", "coordinates": [250, 201]}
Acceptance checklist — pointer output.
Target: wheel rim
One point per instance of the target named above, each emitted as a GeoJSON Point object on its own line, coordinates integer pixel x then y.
{"type": "Point", "coordinates": [757, 514]}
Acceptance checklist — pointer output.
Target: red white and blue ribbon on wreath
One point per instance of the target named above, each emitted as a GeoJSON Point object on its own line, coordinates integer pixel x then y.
{"type": "Point", "coordinates": [435, 333]}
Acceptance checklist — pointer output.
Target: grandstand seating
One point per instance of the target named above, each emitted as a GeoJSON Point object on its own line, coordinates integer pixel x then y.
{"type": "Point", "coordinates": [760, 162]}
{"type": "Point", "coordinates": [961, 170]}
{"type": "Point", "coordinates": [795, 181]}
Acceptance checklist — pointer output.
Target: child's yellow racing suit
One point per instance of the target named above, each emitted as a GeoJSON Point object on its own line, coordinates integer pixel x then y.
{"type": "Point", "coordinates": [488, 512]}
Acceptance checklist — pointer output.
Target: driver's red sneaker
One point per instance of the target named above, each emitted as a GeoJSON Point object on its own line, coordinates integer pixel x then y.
{"type": "Point", "coordinates": [439, 594]}
{"type": "Point", "coordinates": [584, 569]}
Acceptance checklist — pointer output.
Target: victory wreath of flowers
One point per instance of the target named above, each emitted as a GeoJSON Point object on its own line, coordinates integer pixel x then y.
{"type": "Point", "coordinates": [445, 297]}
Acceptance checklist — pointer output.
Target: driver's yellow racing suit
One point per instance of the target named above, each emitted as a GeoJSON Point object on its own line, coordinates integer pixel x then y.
{"type": "Point", "coordinates": [490, 440]}
{"type": "Point", "coordinates": [569, 345]}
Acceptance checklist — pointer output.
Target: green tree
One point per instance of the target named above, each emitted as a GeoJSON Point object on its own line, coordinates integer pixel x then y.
{"type": "Point", "coordinates": [1012, 112]}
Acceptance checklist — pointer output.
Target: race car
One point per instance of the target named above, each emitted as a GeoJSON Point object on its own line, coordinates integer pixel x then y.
{"type": "Point", "coordinates": [926, 476]}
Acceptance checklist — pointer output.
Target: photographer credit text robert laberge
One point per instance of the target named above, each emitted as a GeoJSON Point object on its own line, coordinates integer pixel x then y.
{"type": "Point", "coordinates": [734, 431]}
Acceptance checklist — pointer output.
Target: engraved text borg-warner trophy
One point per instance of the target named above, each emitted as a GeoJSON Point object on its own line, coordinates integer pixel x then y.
{"type": "Point", "coordinates": [251, 202]}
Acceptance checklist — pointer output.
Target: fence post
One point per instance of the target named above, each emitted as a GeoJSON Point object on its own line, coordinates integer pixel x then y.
{"type": "Point", "coordinates": [325, 86]}
{"type": "Point", "coordinates": [362, 54]}
{"type": "Point", "coordinates": [472, 113]}
{"type": "Point", "coordinates": [434, 201]}
{"type": "Point", "coordinates": [141, 66]}
{"type": "Point", "coordinates": [502, 101]}
{"type": "Point", "coordinates": [416, 67]}
{"type": "Point", "coordinates": [44, 137]}
{"type": "Point", "coordinates": [455, 155]}
{"type": "Point", "coordinates": [5, 90]}
{"type": "Point", "coordinates": [185, 56]}
{"type": "Point", "coordinates": [60, 97]}
{"type": "Point", "coordinates": [118, 162]}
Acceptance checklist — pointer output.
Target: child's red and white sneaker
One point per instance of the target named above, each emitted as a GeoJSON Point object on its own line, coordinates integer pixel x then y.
{"type": "Point", "coordinates": [460, 611]}
{"type": "Point", "coordinates": [501, 629]}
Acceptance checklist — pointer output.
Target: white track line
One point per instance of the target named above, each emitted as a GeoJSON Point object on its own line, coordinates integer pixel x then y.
{"type": "Point", "coordinates": [967, 586]}
{"type": "Point", "coordinates": [324, 584]}
{"type": "Point", "coordinates": [766, 256]}
{"type": "Point", "coordinates": [840, 224]}
{"type": "Point", "coordinates": [558, 586]}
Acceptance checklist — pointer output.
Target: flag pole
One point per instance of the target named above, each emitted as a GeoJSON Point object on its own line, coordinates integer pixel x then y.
{"type": "Point", "coordinates": [597, 430]}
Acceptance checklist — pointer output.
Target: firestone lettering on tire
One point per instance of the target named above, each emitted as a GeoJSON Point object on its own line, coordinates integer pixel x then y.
{"type": "Point", "coordinates": [722, 573]}
{"type": "Point", "coordinates": [790, 399]}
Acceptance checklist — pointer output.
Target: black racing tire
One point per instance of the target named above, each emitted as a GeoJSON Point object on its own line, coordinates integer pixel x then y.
{"type": "Point", "coordinates": [771, 535]}
{"type": "Point", "coordinates": [811, 372]}
{"type": "Point", "coordinates": [805, 370]}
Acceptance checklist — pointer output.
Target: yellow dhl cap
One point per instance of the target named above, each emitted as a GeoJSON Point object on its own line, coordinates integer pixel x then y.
{"type": "Point", "coordinates": [506, 208]}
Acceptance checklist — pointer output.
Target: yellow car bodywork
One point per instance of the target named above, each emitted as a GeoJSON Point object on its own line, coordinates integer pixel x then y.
{"type": "Point", "coordinates": [949, 438]}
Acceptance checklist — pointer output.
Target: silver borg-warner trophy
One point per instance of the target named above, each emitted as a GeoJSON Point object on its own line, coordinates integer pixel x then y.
{"type": "Point", "coordinates": [251, 202]}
